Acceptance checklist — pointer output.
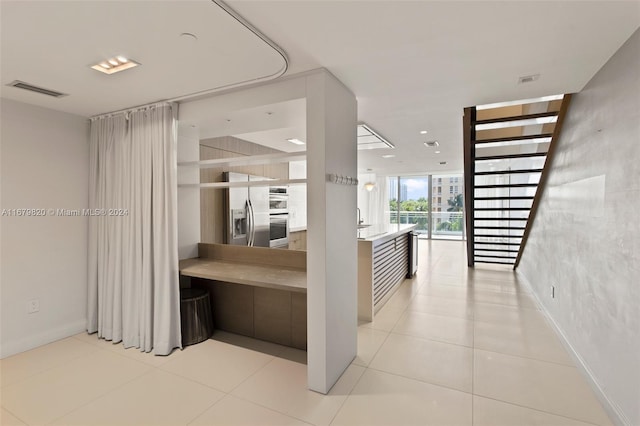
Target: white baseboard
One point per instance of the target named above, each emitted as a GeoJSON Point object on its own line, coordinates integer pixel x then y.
{"type": "Point", "coordinates": [48, 336]}
{"type": "Point", "coordinates": [612, 410]}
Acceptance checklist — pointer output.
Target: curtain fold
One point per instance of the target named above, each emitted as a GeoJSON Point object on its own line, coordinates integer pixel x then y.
{"type": "Point", "coordinates": [133, 294]}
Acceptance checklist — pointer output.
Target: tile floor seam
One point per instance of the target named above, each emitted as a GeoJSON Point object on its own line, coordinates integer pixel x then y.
{"type": "Point", "coordinates": [440, 385]}
{"type": "Point", "coordinates": [206, 409]}
{"type": "Point", "coordinates": [374, 355]}
{"type": "Point", "coordinates": [473, 370]}
{"type": "Point", "coordinates": [431, 339]}
{"type": "Point", "coordinates": [273, 358]}
{"type": "Point", "coordinates": [428, 340]}
{"type": "Point", "coordinates": [191, 380]}
{"type": "Point", "coordinates": [537, 410]}
{"type": "Point", "coordinates": [528, 357]}
{"type": "Point", "coordinates": [14, 415]}
{"type": "Point", "coordinates": [350, 392]}
{"type": "Point", "coordinates": [48, 368]}
{"type": "Point", "coordinates": [270, 408]}
{"type": "Point", "coordinates": [101, 395]}
{"type": "Point", "coordinates": [511, 306]}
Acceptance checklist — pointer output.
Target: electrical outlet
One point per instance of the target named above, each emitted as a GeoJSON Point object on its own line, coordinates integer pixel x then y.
{"type": "Point", "coordinates": [33, 306]}
{"type": "Point", "coordinates": [553, 292]}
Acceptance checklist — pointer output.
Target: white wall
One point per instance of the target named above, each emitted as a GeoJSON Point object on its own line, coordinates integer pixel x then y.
{"type": "Point", "coordinates": [44, 165]}
{"type": "Point", "coordinates": [586, 237]}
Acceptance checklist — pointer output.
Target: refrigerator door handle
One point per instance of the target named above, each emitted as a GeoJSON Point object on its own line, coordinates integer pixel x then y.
{"type": "Point", "coordinates": [249, 222]}
{"type": "Point", "coordinates": [252, 228]}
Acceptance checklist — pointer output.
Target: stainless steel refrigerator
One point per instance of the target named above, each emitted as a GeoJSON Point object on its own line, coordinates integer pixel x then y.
{"type": "Point", "coordinates": [247, 211]}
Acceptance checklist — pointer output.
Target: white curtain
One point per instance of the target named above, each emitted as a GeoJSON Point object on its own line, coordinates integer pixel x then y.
{"type": "Point", "coordinates": [133, 294]}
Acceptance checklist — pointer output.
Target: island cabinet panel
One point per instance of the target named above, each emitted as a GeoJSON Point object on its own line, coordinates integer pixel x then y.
{"type": "Point", "coordinates": [383, 264]}
{"type": "Point", "coordinates": [390, 266]}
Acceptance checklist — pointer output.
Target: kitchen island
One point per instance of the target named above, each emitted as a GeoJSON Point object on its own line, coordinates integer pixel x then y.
{"type": "Point", "coordinates": [383, 263]}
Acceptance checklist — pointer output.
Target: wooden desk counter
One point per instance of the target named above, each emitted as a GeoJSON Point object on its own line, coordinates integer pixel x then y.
{"type": "Point", "coordinates": [275, 277]}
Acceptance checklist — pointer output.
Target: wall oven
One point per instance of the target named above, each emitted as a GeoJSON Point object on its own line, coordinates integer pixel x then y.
{"type": "Point", "coordinates": [278, 200]}
{"type": "Point", "coordinates": [279, 230]}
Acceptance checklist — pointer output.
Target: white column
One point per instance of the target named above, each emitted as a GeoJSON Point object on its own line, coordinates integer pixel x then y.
{"type": "Point", "coordinates": [331, 231]}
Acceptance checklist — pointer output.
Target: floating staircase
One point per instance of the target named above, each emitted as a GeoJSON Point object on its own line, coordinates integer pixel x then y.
{"type": "Point", "coordinates": [507, 152]}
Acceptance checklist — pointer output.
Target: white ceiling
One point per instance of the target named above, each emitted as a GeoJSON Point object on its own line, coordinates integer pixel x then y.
{"type": "Point", "coordinates": [52, 44]}
{"type": "Point", "coordinates": [413, 65]}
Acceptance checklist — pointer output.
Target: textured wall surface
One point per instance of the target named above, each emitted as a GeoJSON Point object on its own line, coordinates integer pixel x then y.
{"type": "Point", "coordinates": [586, 237]}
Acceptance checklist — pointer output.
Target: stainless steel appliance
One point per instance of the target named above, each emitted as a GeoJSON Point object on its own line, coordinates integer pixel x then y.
{"type": "Point", "coordinates": [413, 254]}
{"type": "Point", "coordinates": [247, 212]}
{"type": "Point", "coordinates": [278, 200]}
{"type": "Point", "coordinates": [279, 230]}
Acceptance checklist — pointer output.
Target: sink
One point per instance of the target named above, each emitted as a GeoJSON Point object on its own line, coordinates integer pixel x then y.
{"type": "Point", "coordinates": [362, 225]}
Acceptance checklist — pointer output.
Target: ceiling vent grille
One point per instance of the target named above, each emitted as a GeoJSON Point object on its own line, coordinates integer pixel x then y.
{"type": "Point", "coordinates": [26, 86]}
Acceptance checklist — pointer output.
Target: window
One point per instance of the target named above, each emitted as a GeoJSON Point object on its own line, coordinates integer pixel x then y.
{"type": "Point", "coordinates": [451, 190]}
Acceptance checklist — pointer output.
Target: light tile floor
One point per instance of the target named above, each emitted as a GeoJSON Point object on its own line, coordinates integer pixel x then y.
{"type": "Point", "coordinates": [453, 346]}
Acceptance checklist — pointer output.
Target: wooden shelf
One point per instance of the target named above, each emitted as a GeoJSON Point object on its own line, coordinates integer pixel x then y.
{"type": "Point", "coordinates": [247, 160]}
{"type": "Point", "coordinates": [214, 185]}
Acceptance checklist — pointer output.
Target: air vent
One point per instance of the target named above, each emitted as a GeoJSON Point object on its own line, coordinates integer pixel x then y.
{"type": "Point", "coordinates": [528, 78]}
{"type": "Point", "coordinates": [26, 86]}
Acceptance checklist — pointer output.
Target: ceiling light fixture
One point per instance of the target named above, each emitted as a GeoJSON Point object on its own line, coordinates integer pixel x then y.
{"type": "Point", "coordinates": [431, 144]}
{"type": "Point", "coordinates": [369, 186]}
{"type": "Point", "coordinates": [114, 65]}
{"type": "Point", "coordinates": [423, 132]}
{"type": "Point", "coordinates": [388, 156]}
{"type": "Point", "coordinates": [296, 141]}
{"type": "Point", "coordinates": [370, 139]}
{"type": "Point", "coordinates": [437, 152]}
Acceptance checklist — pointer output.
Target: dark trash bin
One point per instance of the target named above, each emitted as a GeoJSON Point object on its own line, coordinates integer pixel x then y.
{"type": "Point", "coordinates": [195, 315]}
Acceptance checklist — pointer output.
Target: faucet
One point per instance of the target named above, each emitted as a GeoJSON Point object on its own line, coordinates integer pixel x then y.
{"type": "Point", "coordinates": [360, 220]}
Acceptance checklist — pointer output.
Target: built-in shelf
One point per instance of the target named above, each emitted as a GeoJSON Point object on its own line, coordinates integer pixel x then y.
{"type": "Point", "coordinates": [247, 160]}
{"type": "Point", "coordinates": [274, 182]}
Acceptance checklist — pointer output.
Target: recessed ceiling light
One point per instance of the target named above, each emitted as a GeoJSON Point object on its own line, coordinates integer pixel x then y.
{"type": "Point", "coordinates": [388, 156]}
{"type": "Point", "coordinates": [431, 144]}
{"type": "Point", "coordinates": [423, 132]}
{"type": "Point", "coordinates": [437, 152]}
{"type": "Point", "coordinates": [114, 65]}
{"type": "Point", "coordinates": [296, 141]}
